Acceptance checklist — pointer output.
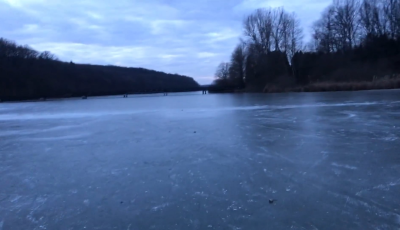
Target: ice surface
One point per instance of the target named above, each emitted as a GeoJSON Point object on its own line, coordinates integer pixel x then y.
{"type": "Point", "coordinates": [190, 161]}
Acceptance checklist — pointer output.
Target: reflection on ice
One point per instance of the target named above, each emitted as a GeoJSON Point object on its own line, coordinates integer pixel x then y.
{"type": "Point", "coordinates": [204, 111]}
{"type": "Point", "coordinates": [58, 138]}
{"type": "Point", "coordinates": [344, 166]}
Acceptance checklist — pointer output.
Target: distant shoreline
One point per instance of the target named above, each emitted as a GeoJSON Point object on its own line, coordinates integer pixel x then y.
{"type": "Point", "coordinates": [91, 97]}
{"type": "Point", "coordinates": [386, 84]}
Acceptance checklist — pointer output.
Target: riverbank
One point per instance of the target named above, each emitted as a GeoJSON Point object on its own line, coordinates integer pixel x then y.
{"type": "Point", "coordinates": [337, 86]}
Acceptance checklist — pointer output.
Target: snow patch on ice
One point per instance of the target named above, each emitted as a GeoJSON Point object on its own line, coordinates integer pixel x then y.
{"type": "Point", "coordinates": [201, 194]}
{"type": "Point", "coordinates": [387, 186]}
{"type": "Point", "coordinates": [344, 166]}
{"type": "Point", "coordinates": [350, 114]}
{"type": "Point", "coordinates": [337, 172]}
{"type": "Point", "coordinates": [383, 187]}
{"type": "Point", "coordinates": [324, 156]}
{"type": "Point", "coordinates": [156, 208]}
{"type": "Point", "coordinates": [234, 206]}
{"type": "Point", "coordinates": [16, 198]}
{"type": "Point", "coordinates": [390, 138]}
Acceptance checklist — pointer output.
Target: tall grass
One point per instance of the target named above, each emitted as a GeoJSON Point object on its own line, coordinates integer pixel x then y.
{"type": "Point", "coordinates": [393, 83]}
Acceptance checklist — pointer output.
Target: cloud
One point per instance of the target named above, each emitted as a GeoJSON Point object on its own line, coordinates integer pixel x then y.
{"type": "Point", "coordinates": [176, 36]}
{"type": "Point", "coordinates": [23, 3]}
{"type": "Point", "coordinates": [206, 54]}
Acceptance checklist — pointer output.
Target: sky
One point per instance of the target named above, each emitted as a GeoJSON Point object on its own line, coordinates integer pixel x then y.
{"type": "Point", "coordinates": [175, 36]}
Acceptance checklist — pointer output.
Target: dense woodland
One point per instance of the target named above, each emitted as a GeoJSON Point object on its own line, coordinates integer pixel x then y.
{"type": "Point", "coordinates": [353, 41]}
{"type": "Point", "coordinates": [28, 74]}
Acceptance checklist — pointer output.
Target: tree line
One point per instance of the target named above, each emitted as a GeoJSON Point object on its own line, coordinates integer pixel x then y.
{"type": "Point", "coordinates": [28, 74]}
{"type": "Point", "coordinates": [353, 40]}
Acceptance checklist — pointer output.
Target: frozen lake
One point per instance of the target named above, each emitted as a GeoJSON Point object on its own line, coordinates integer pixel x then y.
{"type": "Point", "coordinates": [192, 161]}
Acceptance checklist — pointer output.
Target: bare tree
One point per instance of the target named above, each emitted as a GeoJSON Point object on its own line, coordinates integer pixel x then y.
{"type": "Point", "coordinates": [46, 55]}
{"type": "Point", "coordinates": [273, 29]}
{"type": "Point", "coordinates": [346, 23]}
{"type": "Point", "coordinates": [391, 10]}
{"type": "Point", "coordinates": [237, 66]}
{"type": "Point", "coordinates": [258, 28]}
{"type": "Point", "coordinates": [339, 26]}
{"type": "Point", "coordinates": [222, 72]}
{"type": "Point", "coordinates": [371, 18]}
{"type": "Point", "coordinates": [8, 48]}
{"type": "Point", "coordinates": [280, 20]}
{"type": "Point", "coordinates": [11, 49]}
{"type": "Point", "coordinates": [311, 46]}
{"type": "Point", "coordinates": [27, 52]}
{"type": "Point", "coordinates": [292, 35]}
{"type": "Point", "coordinates": [324, 34]}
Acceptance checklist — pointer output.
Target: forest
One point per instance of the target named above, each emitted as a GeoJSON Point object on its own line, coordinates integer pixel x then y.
{"type": "Point", "coordinates": [27, 74]}
{"type": "Point", "coordinates": [355, 45]}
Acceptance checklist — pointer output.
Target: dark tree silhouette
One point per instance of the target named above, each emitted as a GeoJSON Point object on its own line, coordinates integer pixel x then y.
{"type": "Point", "coordinates": [237, 66]}
{"type": "Point", "coordinates": [28, 74]}
{"type": "Point", "coordinates": [353, 41]}
{"type": "Point", "coordinates": [222, 72]}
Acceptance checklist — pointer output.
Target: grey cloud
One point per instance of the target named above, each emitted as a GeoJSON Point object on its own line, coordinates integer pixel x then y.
{"type": "Point", "coordinates": [176, 36]}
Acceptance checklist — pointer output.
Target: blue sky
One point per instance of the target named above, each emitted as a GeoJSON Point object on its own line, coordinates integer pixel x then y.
{"type": "Point", "coordinates": [175, 36]}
